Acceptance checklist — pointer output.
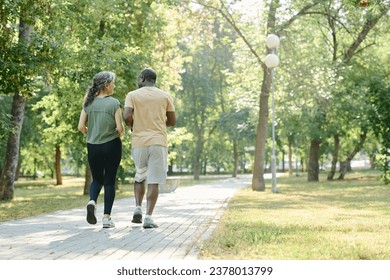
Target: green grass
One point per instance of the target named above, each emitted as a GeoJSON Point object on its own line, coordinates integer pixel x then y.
{"type": "Point", "coordinates": [322, 221]}
{"type": "Point", "coordinates": [42, 196]}
{"type": "Point", "coordinates": [38, 197]}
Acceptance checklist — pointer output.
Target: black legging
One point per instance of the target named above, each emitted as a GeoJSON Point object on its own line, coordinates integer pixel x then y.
{"type": "Point", "coordinates": [104, 160]}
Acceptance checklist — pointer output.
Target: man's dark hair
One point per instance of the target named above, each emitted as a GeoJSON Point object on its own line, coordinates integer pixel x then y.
{"type": "Point", "coordinates": [149, 74]}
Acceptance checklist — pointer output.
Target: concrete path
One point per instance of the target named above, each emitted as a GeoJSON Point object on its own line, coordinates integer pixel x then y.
{"type": "Point", "coordinates": [185, 218]}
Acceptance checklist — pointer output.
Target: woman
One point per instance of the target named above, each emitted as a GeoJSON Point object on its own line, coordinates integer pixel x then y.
{"type": "Point", "coordinates": [101, 121]}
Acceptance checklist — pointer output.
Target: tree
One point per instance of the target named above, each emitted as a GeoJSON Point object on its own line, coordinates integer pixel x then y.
{"type": "Point", "coordinates": [199, 99]}
{"type": "Point", "coordinates": [204, 82]}
{"type": "Point", "coordinates": [272, 26]}
{"type": "Point", "coordinates": [340, 20]}
{"type": "Point", "coordinates": [18, 61]}
{"type": "Point", "coordinates": [236, 125]}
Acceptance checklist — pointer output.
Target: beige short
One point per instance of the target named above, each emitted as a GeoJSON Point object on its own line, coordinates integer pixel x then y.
{"type": "Point", "coordinates": [151, 164]}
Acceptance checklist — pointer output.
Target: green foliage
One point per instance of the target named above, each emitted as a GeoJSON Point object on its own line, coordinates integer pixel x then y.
{"type": "Point", "coordinates": [98, 36]}
{"type": "Point", "coordinates": [204, 64]}
{"type": "Point", "coordinates": [22, 61]}
{"type": "Point", "coordinates": [329, 97]}
{"type": "Point", "coordinates": [379, 98]}
{"type": "Point", "coordinates": [179, 140]}
{"type": "Point", "coordinates": [5, 118]}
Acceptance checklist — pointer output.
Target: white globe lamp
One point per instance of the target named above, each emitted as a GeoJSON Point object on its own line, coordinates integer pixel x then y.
{"type": "Point", "coordinates": [272, 60]}
{"type": "Point", "coordinates": [272, 41]}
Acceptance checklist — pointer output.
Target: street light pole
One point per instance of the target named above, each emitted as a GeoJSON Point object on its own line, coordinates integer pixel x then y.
{"type": "Point", "coordinates": [272, 61]}
{"type": "Point", "coordinates": [273, 158]}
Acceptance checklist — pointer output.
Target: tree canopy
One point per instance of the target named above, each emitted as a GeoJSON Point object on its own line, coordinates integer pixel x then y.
{"type": "Point", "coordinates": [331, 87]}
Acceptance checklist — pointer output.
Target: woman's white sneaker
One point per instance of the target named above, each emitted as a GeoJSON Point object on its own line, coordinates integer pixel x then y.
{"type": "Point", "coordinates": [108, 223]}
{"type": "Point", "coordinates": [91, 212]}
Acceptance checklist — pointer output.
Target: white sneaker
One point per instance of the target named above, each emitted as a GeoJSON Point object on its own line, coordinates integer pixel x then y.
{"type": "Point", "coordinates": [149, 223]}
{"type": "Point", "coordinates": [91, 212]}
{"type": "Point", "coordinates": [137, 216]}
{"type": "Point", "coordinates": [108, 223]}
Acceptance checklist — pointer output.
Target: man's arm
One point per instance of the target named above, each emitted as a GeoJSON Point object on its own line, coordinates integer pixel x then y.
{"type": "Point", "coordinates": [171, 119]}
{"type": "Point", "coordinates": [128, 115]}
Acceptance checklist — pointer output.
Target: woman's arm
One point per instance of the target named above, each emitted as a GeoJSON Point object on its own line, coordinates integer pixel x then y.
{"type": "Point", "coordinates": [119, 122]}
{"type": "Point", "coordinates": [83, 122]}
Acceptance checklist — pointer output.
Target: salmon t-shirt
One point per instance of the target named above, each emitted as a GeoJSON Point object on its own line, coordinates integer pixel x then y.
{"type": "Point", "coordinates": [150, 105]}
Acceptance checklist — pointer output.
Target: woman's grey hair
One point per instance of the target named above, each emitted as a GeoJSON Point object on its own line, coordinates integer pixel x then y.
{"type": "Point", "coordinates": [99, 82]}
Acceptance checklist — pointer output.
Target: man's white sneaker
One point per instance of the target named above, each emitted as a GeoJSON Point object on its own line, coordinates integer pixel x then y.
{"type": "Point", "coordinates": [91, 212]}
{"type": "Point", "coordinates": [108, 223]}
{"type": "Point", "coordinates": [149, 223]}
{"type": "Point", "coordinates": [137, 216]}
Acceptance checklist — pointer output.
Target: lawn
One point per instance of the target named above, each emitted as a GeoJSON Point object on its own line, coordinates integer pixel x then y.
{"type": "Point", "coordinates": [340, 220]}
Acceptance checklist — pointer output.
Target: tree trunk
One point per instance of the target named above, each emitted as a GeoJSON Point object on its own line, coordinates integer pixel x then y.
{"type": "Point", "coordinates": [372, 162]}
{"type": "Point", "coordinates": [197, 168]}
{"type": "Point", "coordinates": [313, 167]}
{"type": "Point", "coordinates": [17, 172]}
{"type": "Point", "coordinates": [170, 168]}
{"type": "Point", "coordinates": [349, 166]}
{"type": "Point", "coordinates": [290, 164]}
{"type": "Point", "coordinates": [204, 169]}
{"type": "Point", "coordinates": [235, 160]}
{"type": "Point", "coordinates": [343, 170]}
{"type": "Point", "coordinates": [35, 169]}
{"type": "Point", "coordinates": [12, 155]}
{"type": "Point", "coordinates": [258, 183]}
{"type": "Point", "coordinates": [58, 165]}
{"type": "Point", "coordinates": [88, 179]}
{"type": "Point", "coordinates": [335, 157]}
{"type": "Point", "coordinates": [347, 163]}
{"type": "Point", "coordinates": [197, 158]}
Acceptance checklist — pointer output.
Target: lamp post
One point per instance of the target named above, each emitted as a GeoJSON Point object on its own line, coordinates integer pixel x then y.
{"type": "Point", "coordinates": [272, 61]}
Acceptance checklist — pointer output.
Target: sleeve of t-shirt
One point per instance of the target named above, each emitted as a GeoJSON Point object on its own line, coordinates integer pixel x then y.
{"type": "Point", "coordinates": [129, 101]}
{"type": "Point", "coordinates": [170, 106]}
{"type": "Point", "coordinates": [86, 109]}
{"type": "Point", "coordinates": [117, 104]}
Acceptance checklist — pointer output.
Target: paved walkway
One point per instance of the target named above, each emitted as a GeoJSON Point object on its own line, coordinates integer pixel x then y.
{"type": "Point", "coordinates": [185, 218]}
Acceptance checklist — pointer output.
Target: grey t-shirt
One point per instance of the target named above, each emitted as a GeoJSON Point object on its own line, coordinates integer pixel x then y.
{"type": "Point", "coordinates": [101, 120]}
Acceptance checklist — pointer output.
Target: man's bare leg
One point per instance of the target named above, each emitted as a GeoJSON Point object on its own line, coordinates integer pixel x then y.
{"type": "Point", "coordinates": [151, 198]}
{"type": "Point", "coordinates": [139, 192]}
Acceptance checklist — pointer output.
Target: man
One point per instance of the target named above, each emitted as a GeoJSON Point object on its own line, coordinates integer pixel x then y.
{"type": "Point", "coordinates": [148, 112]}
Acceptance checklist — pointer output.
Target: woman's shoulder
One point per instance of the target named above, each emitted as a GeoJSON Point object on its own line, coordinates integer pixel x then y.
{"type": "Point", "coordinates": [113, 100]}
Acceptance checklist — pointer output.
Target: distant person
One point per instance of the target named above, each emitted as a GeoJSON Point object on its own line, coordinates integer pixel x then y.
{"type": "Point", "coordinates": [148, 112]}
{"type": "Point", "coordinates": [101, 121]}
